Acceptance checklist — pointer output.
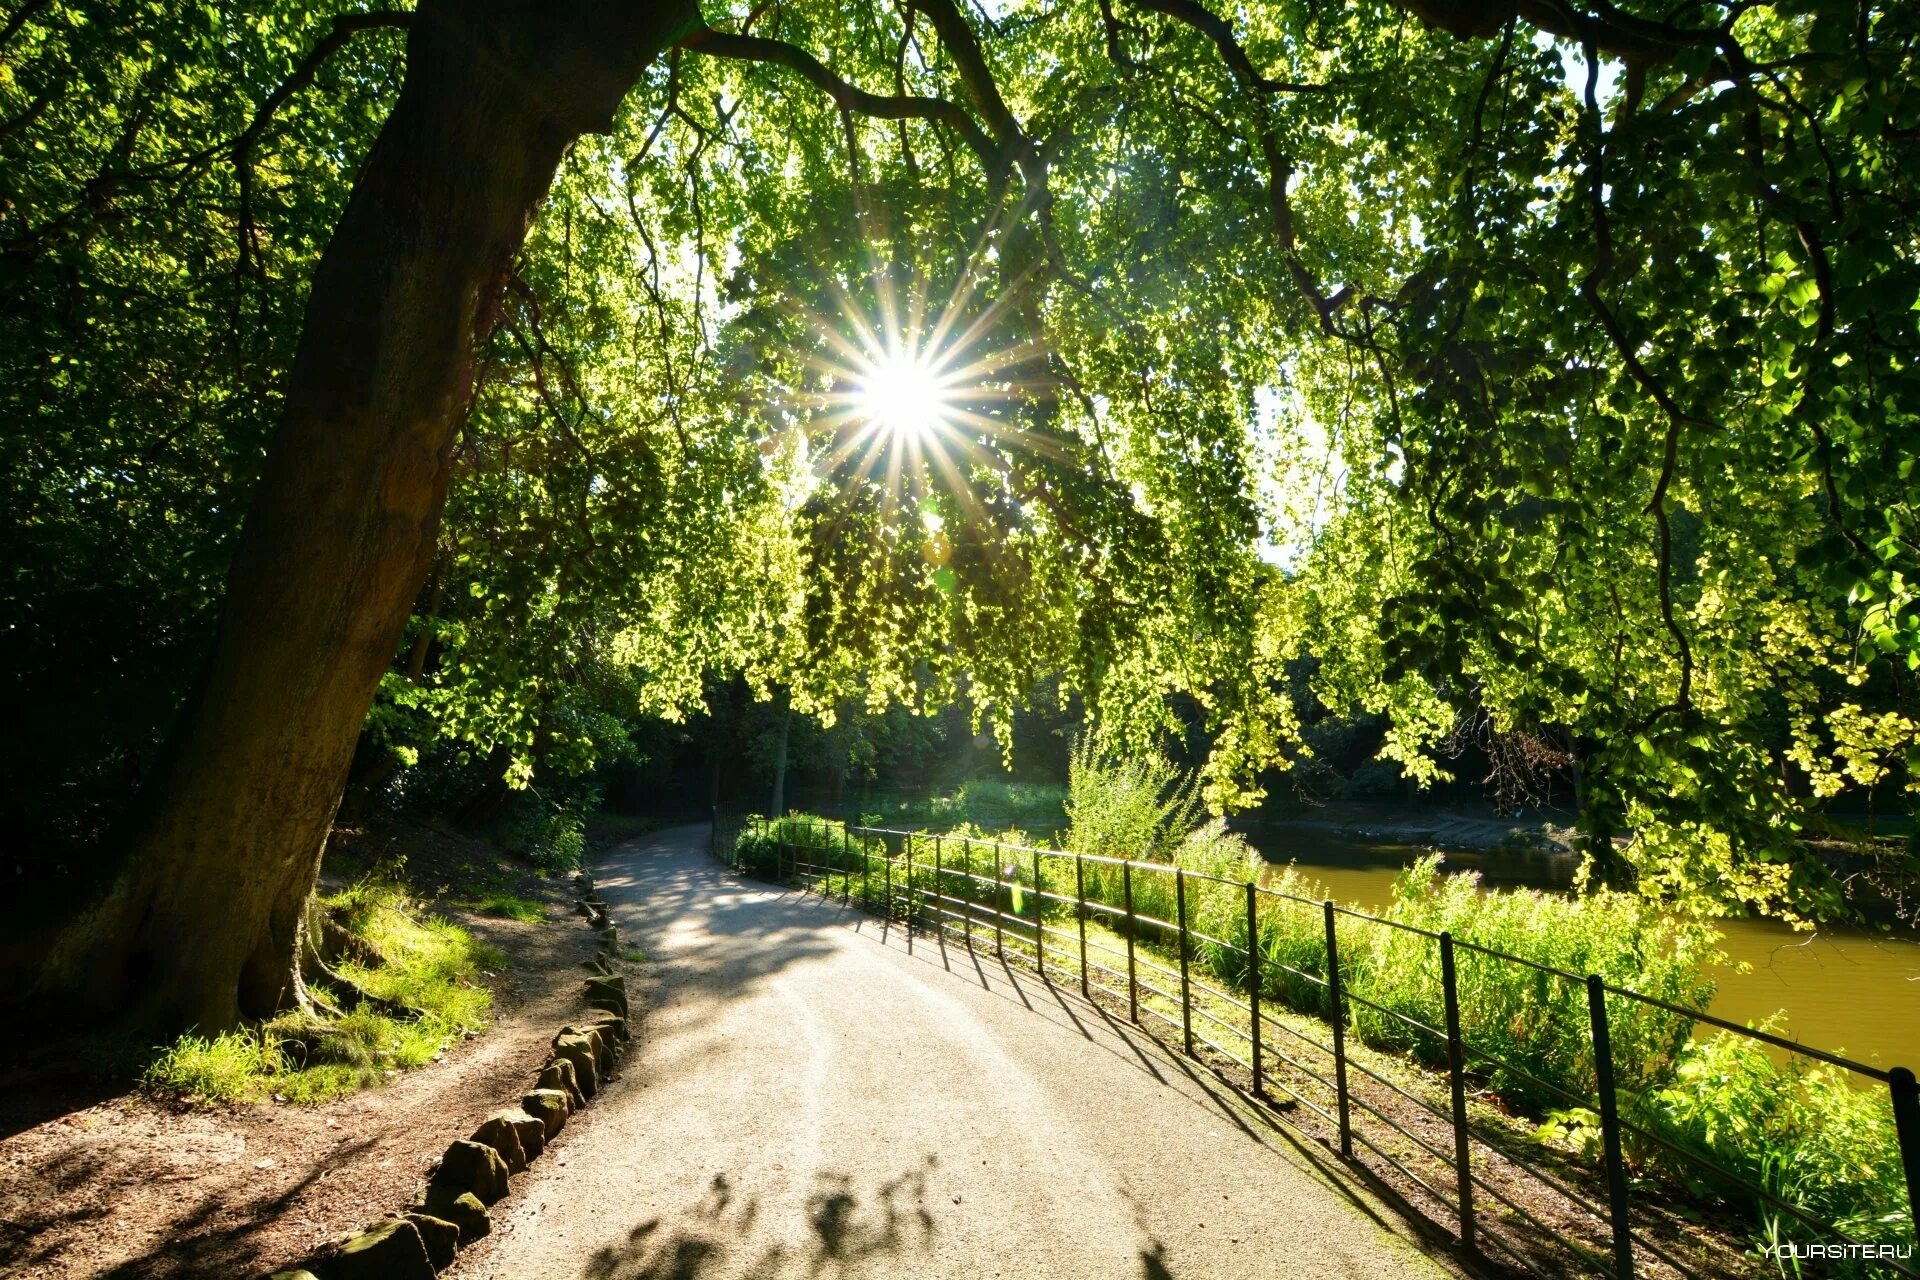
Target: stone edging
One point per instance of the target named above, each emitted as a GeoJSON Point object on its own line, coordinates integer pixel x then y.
{"type": "Point", "coordinates": [450, 1212]}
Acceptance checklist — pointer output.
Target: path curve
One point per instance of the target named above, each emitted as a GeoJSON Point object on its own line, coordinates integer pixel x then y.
{"type": "Point", "coordinates": [810, 1100]}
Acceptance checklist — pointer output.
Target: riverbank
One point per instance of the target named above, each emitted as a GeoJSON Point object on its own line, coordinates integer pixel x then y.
{"type": "Point", "coordinates": [1533, 831]}
{"type": "Point", "coordinates": [1843, 989]}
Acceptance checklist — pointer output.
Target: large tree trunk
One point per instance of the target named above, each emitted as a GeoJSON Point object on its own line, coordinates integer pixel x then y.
{"type": "Point", "coordinates": [204, 925]}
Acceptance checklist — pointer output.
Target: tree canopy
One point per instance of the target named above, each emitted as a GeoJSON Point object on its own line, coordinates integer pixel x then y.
{"type": "Point", "coordinates": [1545, 365]}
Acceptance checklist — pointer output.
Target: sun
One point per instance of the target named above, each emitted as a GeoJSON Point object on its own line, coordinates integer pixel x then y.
{"type": "Point", "coordinates": [904, 397]}
{"type": "Point", "coordinates": [907, 386]}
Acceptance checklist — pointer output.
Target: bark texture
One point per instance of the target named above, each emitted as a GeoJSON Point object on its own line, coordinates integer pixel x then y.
{"type": "Point", "coordinates": [204, 925]}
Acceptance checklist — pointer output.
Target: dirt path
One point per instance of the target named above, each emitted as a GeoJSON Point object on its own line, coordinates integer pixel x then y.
{"type": "Point", "coordinates": [811, 1100]}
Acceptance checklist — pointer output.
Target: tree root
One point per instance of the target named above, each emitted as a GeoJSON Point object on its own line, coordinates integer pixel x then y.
{"type": "Point", "coordinates": [326, 992]}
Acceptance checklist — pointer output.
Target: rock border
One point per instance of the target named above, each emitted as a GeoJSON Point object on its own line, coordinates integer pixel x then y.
{"type": "Point", "coordinates": [450, 1211]}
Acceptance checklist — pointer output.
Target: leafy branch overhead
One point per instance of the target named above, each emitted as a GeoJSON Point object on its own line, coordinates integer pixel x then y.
{"type": "Point", "coordinates": [1538, 366]}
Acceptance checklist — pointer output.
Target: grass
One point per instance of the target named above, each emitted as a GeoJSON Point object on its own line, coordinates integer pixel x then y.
{"type": "Point", "coordinates": [988, 802]}
{"type": "Point", "coordinates": [226, 1068]}
{"type": "Point", "coordinates": [412, 959]}
{"type": "Point", "coordinates": [511, 907]}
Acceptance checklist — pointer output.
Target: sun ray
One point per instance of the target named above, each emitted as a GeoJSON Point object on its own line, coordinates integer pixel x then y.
{"type": "Point", "coordinates": [918, 386]}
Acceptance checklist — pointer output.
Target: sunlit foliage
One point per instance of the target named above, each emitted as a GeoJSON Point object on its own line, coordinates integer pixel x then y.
{"type": "Point", "coordinates": [1556, 377]}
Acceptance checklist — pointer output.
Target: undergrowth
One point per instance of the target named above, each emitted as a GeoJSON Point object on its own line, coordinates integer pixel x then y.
{"type": "Point", "coordinates": [553, 841]}
{"type": "Point", "coordinates": [400, 955]}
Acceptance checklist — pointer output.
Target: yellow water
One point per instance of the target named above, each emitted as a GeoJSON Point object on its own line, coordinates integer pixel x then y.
{"type": "Point", "coordinates": [1846, 991]}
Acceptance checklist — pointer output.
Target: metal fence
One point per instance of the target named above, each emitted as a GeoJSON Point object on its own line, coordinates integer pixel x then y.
{"type": "Point", "coordinates": [1562, 1214]}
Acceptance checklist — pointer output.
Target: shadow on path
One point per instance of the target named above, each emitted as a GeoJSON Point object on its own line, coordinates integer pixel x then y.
{"type": "Point", "coordinates": [716, 1236]}
{"type": "Point", "coordinates": [1163, 1062]}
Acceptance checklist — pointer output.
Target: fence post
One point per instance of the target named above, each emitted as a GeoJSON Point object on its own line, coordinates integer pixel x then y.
{"type": "Point", "coordinates": [1186, 990]}
{"type": "Point", "coordinates": [846, 871]}
{"type": "Point", "coordinates": [999, 924]}
{"type": "Point", "coordinates": [1253, 984]}
{"type": "Point", "coordinates": [1906, 1126]}
{"type": "Point", "coordinates": [909, 918]}
{"type": "Point", "coordinates": [1133, 979]}
{"type": "Point", "coordinates": [1080, 899]}
{"type": "Point", "coordinates": [966, 888]}
{"type": "Point", "coordinates": [939, 899]}
{"type": "Point", "coordinates": [1039, 921]}
{"type": "Point", "coordinates": [1457, 1076]}
{"type": "Point", "coordinates": [1337, 998]}
{"type": "Point", "coordinates": [1610, 1130]}
{"type": "Point", "coordinates": [886, 915]}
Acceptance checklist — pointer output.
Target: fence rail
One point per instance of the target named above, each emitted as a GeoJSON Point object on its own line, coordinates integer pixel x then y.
{"type": "Point", "coordinates": [938, 885]}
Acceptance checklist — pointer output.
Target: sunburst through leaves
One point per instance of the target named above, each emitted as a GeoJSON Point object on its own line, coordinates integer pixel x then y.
{"type": "Point", "coordinates": [911, 397]}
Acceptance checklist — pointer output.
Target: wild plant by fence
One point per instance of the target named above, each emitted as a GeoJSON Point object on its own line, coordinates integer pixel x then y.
{"type": "Point", "coordinates": [1228, 965]}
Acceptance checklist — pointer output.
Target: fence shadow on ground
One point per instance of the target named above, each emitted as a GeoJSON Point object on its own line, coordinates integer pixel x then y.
{"type": "Point", "coordinates": [1162, 1062]}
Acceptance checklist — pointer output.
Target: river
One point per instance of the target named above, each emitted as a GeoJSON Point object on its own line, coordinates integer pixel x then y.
{"type": "Point", "coordinates": [1848, 991]}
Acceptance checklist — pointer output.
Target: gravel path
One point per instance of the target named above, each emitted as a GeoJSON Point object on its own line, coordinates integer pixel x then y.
{"type": "Point", "coordinates": [810, 1100]}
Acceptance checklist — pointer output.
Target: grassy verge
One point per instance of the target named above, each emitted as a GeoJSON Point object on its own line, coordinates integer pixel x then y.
{"type": "Point", "coordinates": [402, 956]}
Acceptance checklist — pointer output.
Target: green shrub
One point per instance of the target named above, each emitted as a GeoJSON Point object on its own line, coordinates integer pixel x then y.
{"type": "Point", "coordinates": [554, 843]}
{"type": "Point", "coordinates": [767, 845]}
{"type": "Point", "coordinates": [992, 802]}
{"type": "Point", "coordinates": [1802, 1132]}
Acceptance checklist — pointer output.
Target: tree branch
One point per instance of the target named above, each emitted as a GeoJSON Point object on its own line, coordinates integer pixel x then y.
{"type": "Point", "coordinates": [1607, 29]}
{"type": "Point", "coordinates": [957, 38]}
{"type": "Point", "coordinates": [19, 19]}
{"type": "Point", "coordinates": [345, 27]}
{"type": "Point", "coordinates": [1279, 174]}
{"type": "Point", "coordinates": [1220, 31]}
{"type": "Point", "coordinates": [1670, 446]}
{"type": "Point", "coordinates": [847, 97]}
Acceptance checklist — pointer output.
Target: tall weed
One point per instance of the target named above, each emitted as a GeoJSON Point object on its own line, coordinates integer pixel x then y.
{"type": "Point", "coordinates": [1533, 1020]}
{"type": "Point", "coordinates": [1121, 805]}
